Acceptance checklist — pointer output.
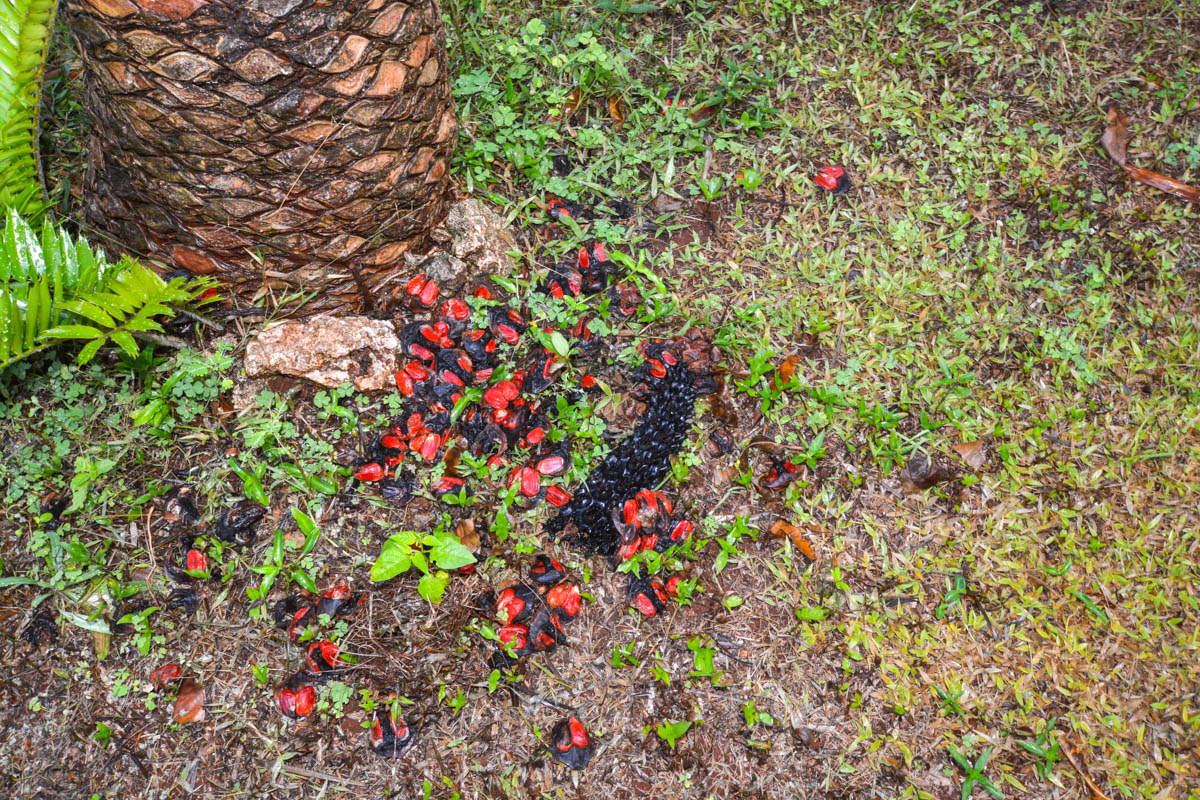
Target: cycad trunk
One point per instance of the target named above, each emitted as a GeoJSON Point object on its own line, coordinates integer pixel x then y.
{"type": "Point", "coordinates": [276, 144]}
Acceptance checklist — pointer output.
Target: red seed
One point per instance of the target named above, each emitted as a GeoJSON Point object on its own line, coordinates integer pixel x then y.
{"type": "Point", "coordinates": [599, 252]}
{"type": "Point", "coordinates": [669, 358]}
{"type": "Point", "coordinates": [430, 446]}
{"type": "Point", "coordinates": [648, 542]}
{"type": "Point", "coordinates": [483, 374]}
{"type": "Point", "coordinates": [306, 700]}
{"type": "Point", "coordinates": [508, 389]}
{"type": "Point", "coordinates": [536, 435]}
{"type": "Point", "coordinates": [551, 465]}
{"type": "Point", "coordinates": [584, 260]}
{"type": "Point", "coordinates": [681, 530]}
{"type": "Point", "coordinates": [391, 442]}
{"type": "Point", "coordinates": [565, 596]}
{"type": "Point", "coordinates": [429, 293]}
{"type": "Point", "coordinates": [339, 591]}
{"type": "Point", "coordinates": [666, 504]}
{"type": "Point", "coordinates": [167, 673]}
{"type": "Point", "coordinates": [496, 398]}
{"type": "Point", "coordinates": [646, 497]}
{"type": "Point", "coordinates": [414, 424]}
{"type": "Point", "coordinates": [557, 496]}
{"type": "Point", "coordinates": [673, 585]}
{"type": "Point", "coordinates": [579, 736]}
{"type": "Point", "coordinates": [196, 560]}
{"type": "Point", "coordinates": [446, 342]}
{"type": "Point", "coordinates": [421, 353]}
{"type": "Point", "coordinates": [630, 550]}
{"type": "Point", "coordinates": [415, 285]}
{"type": "Point", "coordinates": [657, 369]}
{"type": "Point", "coordinates": [645, 605]}
{"type": "Point", "coordinates": [508, 334]}
{"type": "Point", "coordinates": [450, 377]}
{"type": "Point", "coordinates": [404, 383]}
{"type": "Point", "coordinates": [286, 699]}
{"type": "Point", "coordinates": [483, 292]}
{"type": "Point", "coordinates": [588, 382]}
{"type": "Point", "coordinates": [416, 370]}
{"type": "Point", "coordinates": [516, 635]}
{"type": "Point", "coordinates": [430, 334]}
{"type": "Point", "coordinates": [556, 292]}
{"type": "Point", "coordinates": [371, 472]}
{"type": "Point", "coordinates": [530, 481]}
{"type": "Point", "coordinates": [509, 606]}
{"type": "Point", "coordinates": [629, 513]}
{"type": "Point", "coordinates": [441, 327]}
{"type": "Point", "coordinates": [456, 309]}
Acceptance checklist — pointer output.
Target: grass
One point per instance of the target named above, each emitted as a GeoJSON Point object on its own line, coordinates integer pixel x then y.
{"type": "Point", "coordinates": [992, 278]}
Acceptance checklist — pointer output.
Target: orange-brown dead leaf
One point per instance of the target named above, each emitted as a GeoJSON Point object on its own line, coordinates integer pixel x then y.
{"type": "Point", "coordinates": [702, 113]}
{"type": "Point", "coordinates": [1115, 141]}
{"type": "Point", "coordinates": [572, 102]}
{"type": "Point", "coordinates": [467, 534]}
{"type": "Point", "coordinates": [972, 453]}
{"type": "Point", "coordinates": [616, 110]}
{"type": "Point", "coordinates": [1073, 757]}
{"type": "Point", "coordinates": [785, 371]}
{"type": "Point", "coordinates": [189, 704]}
{"type": "Point", "coordinates": [782, 528]}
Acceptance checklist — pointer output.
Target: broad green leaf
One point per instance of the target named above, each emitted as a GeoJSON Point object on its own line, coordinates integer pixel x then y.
{"type": "Point", "coordinates": [394, 558]}
{"type": "Point", "coordinates": [449, 553]}
{"type": "Point", "coordinates": [433, 586]}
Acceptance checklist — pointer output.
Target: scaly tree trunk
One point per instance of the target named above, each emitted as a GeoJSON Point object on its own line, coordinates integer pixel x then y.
{"type": "Point", "coordinates": [275, 144]}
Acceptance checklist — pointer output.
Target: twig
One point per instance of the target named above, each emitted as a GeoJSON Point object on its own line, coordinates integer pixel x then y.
{"type": "Point", "coordinates": [301, 772]}
{"type": "Point", "coordinates": [1095, 790]}
{"type": "Point", "coordinates": [203, 320]}
{"type": "Point", "coordinates": [160, 338]}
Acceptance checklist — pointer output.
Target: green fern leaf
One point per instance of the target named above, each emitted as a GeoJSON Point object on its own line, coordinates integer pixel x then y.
{"type": "Point", "coordinates": [125, 341]}
{"type": "Point", "coordinates": [24, 40]}
{"type": "Point", "coordinates": [73, 332]}
{"type": "Point", "coordinates": [90, 311]}
{"type": "Point", "coordinates": [89, 350]}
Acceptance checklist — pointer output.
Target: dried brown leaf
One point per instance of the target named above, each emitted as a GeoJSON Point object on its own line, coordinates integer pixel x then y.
{"type": "Point", "coordinates": [972, 453]}
{"type": "Point", "coordinates": [1116, 135]}
{"type": "Point", "coordinates": [616, 110]}
{"type": "Point", "coordinates": [782, 528]}
{"type": "Point", "coordinates": [189, 703]}
{"type": "Point", "coordinates": [466, 533]}
{"type": "Point", "coordinates": [573, 100]}
{"type": "Point", "coordinates": [1115, 141]}
{"type": "Point", "coordinates": [785, 371]}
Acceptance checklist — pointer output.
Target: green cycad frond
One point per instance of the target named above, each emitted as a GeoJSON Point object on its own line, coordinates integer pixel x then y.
{"type": "Point", "coordinates": [54, 288]}
{"type": "Point", "coordinates": [24, 38]}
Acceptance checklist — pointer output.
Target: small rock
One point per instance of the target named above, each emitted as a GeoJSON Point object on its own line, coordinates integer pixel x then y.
{"type": "Point", "coordinates": [328, 351]}
{"type": "Point", "coordinates": [480, 238]}
{"type": "Point", "coordinates": [449, 272]}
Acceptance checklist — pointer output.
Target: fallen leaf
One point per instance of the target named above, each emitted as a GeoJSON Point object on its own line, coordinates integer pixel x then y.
{"type": "Point", "coordinates": [189, 703]}
{"type": "Point", "coordinates": [785, 371]}
{"type": "Point", "coordinates": [572, 102]}
{"type": "Point", "coordinates": [1115, 141]}
{"type": "Point", "coordinates": [702, 113]}
{"type": "Point", "coordinates": [972, 453]}
{"type": "Point", "coordinates": [920, 473]}
{"type": "Point", "coordinates": [616, 110]}
{"type": "Point", "coordinates": [782, 528]}
{"type": "Point", "coordinates": [466, 533]}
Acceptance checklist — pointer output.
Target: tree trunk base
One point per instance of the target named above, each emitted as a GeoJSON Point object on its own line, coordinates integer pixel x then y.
{"type": "Point", "coordinates": [282, 146]}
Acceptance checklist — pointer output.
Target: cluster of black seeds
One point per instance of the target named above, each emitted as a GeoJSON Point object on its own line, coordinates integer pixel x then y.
{"type": "Point", "coordinates": [640, 461]}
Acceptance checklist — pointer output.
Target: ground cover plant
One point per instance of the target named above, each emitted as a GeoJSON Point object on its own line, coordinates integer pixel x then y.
{"type": "Point", "coordinates": [944, 499]}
